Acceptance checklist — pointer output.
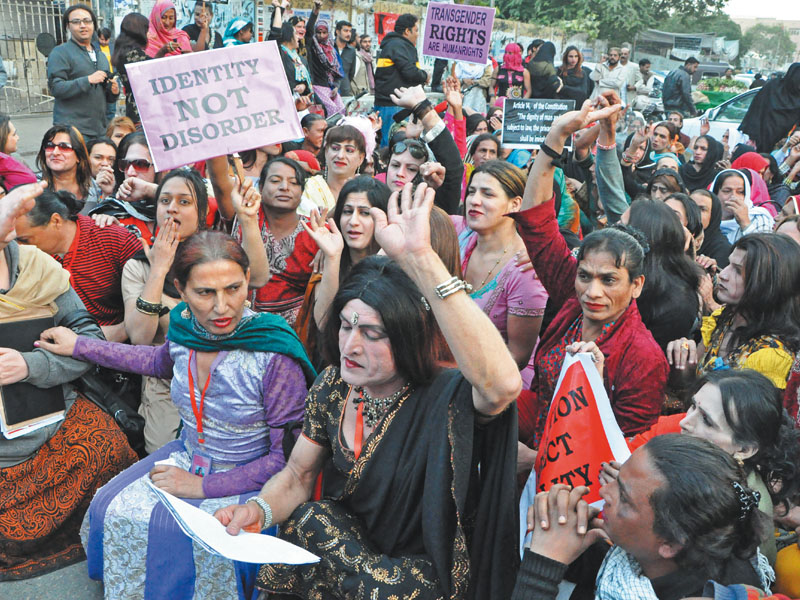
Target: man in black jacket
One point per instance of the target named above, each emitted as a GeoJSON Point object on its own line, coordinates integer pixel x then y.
{"type": "Point", "coordinates": [398, 66]}
{"type": "Point", "coordinates": [346, 54]}
{"type": "Point", "coordinates": [677, 91]}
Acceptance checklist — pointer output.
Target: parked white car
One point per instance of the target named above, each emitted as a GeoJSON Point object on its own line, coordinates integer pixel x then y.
{"type": "Point", "coordinates": [726, 116]}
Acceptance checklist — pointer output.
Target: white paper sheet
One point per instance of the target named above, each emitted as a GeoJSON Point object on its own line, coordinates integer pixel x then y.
{"type": "Point", "coordinates": [245, 547]}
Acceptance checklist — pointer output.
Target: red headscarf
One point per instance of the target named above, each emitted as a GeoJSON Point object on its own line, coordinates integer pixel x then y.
{"type": "Point", "coordinates": [158, 35]}
{"type": "Point", "coordinates": [750, 160]}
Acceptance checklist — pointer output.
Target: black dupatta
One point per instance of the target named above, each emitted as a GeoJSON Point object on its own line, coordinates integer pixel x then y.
{"type": "Point", "coordinates": [439, 483]}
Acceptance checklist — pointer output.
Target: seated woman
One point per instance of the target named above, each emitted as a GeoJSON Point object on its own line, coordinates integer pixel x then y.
{"type": "Point", "coordinates": [343, 153]}
{"type": "Point", "coordinates": [679, 514]}
{"type": "Point", "coordinates": [369, 414]}
{"type": "Point", "coordinates": [688, 214]}
{"type": "Point", "coordinates": [12, 171]}
{"type": "Point", "coordinates": [741, 412]}
{"type": "Point", "coordinates": [64, 163]}
{"type": "Point", "coordinates": [596, 294]}
{"type": "Point", "coordinates": [637, 166]}
{"type": "Point", "coordinates": [94, 256]}
{"type": "Point", "coordinates": [663, 183]}
{"type": "Point", "coordinates": [238, 380]}
{"type": "Point", "coordinates": [715, 245]}
{"type": "Point", "coordinates": [102, 156]}
{"type": "Point", "coordinates": [669, 303]}
{"type": "Point", "coordinates": [162, 32]}
{"type": "Point", "coordinates": [757, 328]}
{"type": "Point", "coordinates": [739, 216]}
{"type": "Point", "coordinates": [409, 157]}
{"type": "Point", "coordinates": [149, 293]}
{"type": "Point", "coordinates": [698, 173]}
{"type": "Point", "coordinates": [514, 300]}
{"type": "Point", "coordinates": [48, 476]}
{"type": "Point", "coordinates": [290, 249]}
{"type": "Point", "coordinates": [346, 241]}
{"type": "Point", "coordinates": [119, 127]}
{"type": "Point", "coordinates": [133, 202]}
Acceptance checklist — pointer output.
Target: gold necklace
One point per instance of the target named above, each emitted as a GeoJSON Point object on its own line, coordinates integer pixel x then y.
{"type": "Point", "coordinates": [485, 279]}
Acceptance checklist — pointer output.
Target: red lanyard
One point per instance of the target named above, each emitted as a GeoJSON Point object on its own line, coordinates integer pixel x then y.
{"type": "Point", "coordinates": [198, 412]}
{"type": "Point", "coordinates": [359, 437]}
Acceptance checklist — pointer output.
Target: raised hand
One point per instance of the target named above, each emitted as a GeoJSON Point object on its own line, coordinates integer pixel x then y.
{"type": "Point", "coordinates": [590, 112]}
{"type": "Point", "coordinates": [452, 92]}
{"type": "Point", "coordinates": [105, 180]}
{"type": "Point", "coordinates": [16, 203]}
{"type": "Point", "coordinates": [162, 252]}
{"type": "Point", "coordinates": [409, 97]}
{"type": "Point", "coordinates": [329, 239]}
{"type": "Point", "coordinates": [246, 201]}
{"type": "Point", "coordinates": [433, 173]}
{"type": "Point", "coordinates": [405, 230]}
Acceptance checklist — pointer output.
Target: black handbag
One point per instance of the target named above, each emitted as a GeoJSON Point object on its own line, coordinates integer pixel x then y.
{"type": "Point", "coordinates": [118, 394]}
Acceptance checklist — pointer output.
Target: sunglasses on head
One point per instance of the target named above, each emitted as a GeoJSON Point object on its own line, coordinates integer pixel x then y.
{"type": "Point", "coordinates": [63, 146]}
{"type": "Point", "coordinates": [139, 164]}
{"type": "Point", "coordinates": [416, 149]}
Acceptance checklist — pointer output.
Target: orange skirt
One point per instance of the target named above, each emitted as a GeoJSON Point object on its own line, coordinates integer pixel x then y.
{"type": "Point", "coordinates": [43, 500]}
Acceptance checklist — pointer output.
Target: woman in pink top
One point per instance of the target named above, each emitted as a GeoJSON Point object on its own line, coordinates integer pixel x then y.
{"type": "Point", "coordinates": [12, 171]}
{"type": "Point", "coordinates": [513, 299]}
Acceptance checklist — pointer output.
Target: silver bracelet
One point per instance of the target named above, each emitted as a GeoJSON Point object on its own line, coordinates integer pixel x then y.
{"type": "Point", "coordinates": [266, 509]}
{"type": "Point", "coordinates": [451, 286]}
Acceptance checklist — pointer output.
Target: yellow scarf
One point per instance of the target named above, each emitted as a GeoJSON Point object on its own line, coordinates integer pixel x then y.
{"type": "Point", "coordinates": [41, 280]}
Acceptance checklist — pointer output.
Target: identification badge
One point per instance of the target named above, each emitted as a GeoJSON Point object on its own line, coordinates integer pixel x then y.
{"type": "Point", "coordinates": [201, 464]}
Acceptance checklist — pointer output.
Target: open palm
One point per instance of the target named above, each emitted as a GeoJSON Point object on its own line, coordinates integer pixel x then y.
{"type": "Point", "coordinates": [406, 228]}
{"type": "Point", "coordinates": [329, 239]}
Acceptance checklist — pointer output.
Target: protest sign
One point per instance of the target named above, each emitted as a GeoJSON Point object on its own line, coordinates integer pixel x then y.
{"type": "Point", "coordinates": [458, 32]}
{"type": "Point", "coordinates": [384, 23]}
{"type": "Point", "coordinates": [197, 106]}
{"type": "Point", "coordinates": [581, 431]}
{"type": "Point", "coordinates": [527, 121]}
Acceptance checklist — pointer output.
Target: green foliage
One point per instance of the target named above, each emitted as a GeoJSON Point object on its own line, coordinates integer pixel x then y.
{"type": "Point", "coordinates": [717, 23]}
{"type": "Point", "coordinates": [720, 84]}
{"type": "Point", "coordinates": [771, 41]}
{"type": "Point", "coordinates": [620, 20]}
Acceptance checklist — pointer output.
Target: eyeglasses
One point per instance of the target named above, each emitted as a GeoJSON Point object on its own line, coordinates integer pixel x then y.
{"type": "Point", "coordinates": [139, 164]}
{"type": "Point", "coordinates": [80, 21]}
{"type": "Point", "coordinates": [63, 146]}
{"type": "Point", "coordinates": [415, 148]}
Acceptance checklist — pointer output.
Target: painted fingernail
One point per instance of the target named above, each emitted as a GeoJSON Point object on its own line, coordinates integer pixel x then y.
{"type": "Point", "coordinates": [581, 529]}
{"type": "Point", "coordinates": [562, 519]}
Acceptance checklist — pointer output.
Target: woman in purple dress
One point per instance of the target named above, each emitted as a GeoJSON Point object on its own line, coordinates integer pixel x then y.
{"type": "Point", "coordinates": [239, 380]}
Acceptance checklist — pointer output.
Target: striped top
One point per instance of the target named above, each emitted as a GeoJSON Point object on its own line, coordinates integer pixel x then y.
{"type": "Point", "coordinates": [95, 261]}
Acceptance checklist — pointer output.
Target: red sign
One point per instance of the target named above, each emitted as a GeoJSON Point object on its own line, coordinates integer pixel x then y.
{"type": "Point", "coordinates": [581, 431]}
{"type": "Point", "coordinates": [384, 23]}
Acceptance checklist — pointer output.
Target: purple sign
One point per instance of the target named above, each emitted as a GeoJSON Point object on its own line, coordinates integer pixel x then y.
{"type": "Point", "coordinates": [458, 32]}
{"type": "Point", "coordinates": [197, 106]}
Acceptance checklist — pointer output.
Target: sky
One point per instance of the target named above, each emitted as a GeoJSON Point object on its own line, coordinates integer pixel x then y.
{"type": "Point", "coordinates": [777, 9]}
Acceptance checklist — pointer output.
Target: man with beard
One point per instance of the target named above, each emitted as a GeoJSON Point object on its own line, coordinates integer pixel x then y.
{"type": "Point", "coordinates": [364, 75]}
{"type": "Point", "coordinates": [610, 75]}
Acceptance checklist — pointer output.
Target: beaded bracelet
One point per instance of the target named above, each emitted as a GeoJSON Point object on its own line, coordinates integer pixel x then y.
{"type": "Point", "coordinates": [148, 308]}
{"type": "Point", "coordinates": [603, 147]}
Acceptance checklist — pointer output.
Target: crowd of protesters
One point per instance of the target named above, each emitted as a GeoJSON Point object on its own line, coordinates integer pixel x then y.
{"type": "Point", "coordinates": [356, 336]}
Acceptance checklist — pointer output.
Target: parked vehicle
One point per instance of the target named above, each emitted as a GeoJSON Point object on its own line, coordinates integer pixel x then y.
{"type": "Point", "coordinates": [726, 116]}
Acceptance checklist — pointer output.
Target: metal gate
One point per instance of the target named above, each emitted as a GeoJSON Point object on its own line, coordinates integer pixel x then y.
{"type": "Point", "coordinates": [20, 22]}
